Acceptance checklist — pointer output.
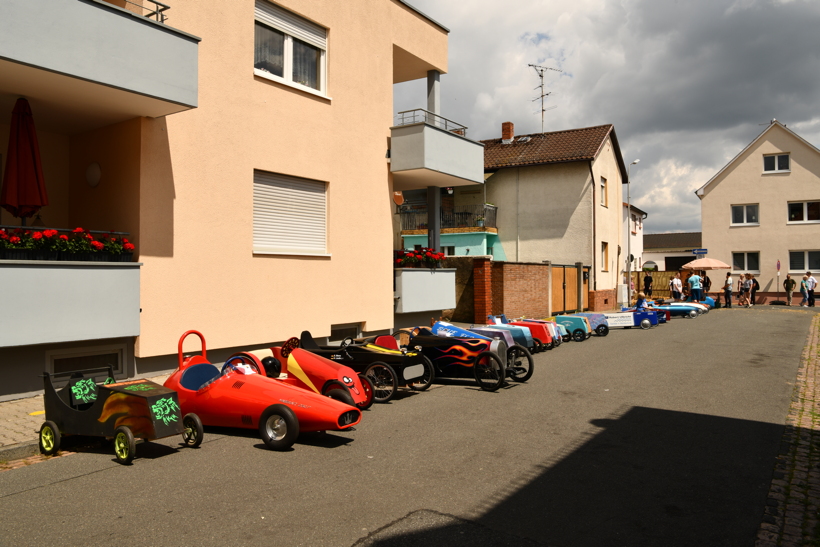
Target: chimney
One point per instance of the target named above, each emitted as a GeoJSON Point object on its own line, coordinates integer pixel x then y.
{"type": "Point", "coordinates": [507, 131]}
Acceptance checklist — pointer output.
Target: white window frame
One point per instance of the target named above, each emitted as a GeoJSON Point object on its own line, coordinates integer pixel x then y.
{"type": "Point", "coordinates": [776, 170]}
{"type": "Point", "coordinates": [744, 223]}
{"type": "Point", "coordinates": [604, 256]}
{"type": "Point", "coordinates": [604, 195]}
{"type": "Point", "coordinates": [294, 27]}
{"type": "Point", "coordinates": [805, 212]}
{"type": "Point", "coordinates": [283, 207]}
{"type": "Point", "coordinates": [745, 262]}
{"type": "Point", "coordinates": [806, 267]}
{"type": "Point", "coordinates": [87, 351]}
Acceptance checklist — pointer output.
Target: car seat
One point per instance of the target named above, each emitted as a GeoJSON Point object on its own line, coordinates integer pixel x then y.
{"type": "Point", "coordinates": [307, 342]}
{"type": "Point", "coordinates": [386, 341]}
{"type": "Point", "coordinates": [196, 376]}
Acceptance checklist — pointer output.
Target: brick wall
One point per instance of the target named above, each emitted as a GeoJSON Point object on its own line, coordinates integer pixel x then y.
{"type": "Point", "coordinates": [602, 300]}
{"type": "Point", "coordinates": [482, 288]}
{"type": "Point", "coordinates": [498, 289]}
{"type": "Point", "coordinates": [525, 289]}
{"type": "Point", "coordinates": [464, 311]}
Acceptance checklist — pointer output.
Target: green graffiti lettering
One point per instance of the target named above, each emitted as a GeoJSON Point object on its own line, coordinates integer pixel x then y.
{"type": "Point", "coordinates": [85, 390]}
{"type": "Point", "coordinates": [139, 387]}
{"type": "Point", "coordinates": [166, 410]}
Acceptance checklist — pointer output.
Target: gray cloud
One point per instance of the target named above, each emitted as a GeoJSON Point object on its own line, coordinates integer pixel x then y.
{"type": "Point", "coordinates": [686, 83]}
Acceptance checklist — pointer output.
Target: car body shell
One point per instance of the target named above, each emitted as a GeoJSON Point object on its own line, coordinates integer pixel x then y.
{"type": "Point", "coordinates": [573, 323]}
{"type": "Point", "coordinates": [628, 319]}
{"type": "Point", "coordinates": [454, 356]}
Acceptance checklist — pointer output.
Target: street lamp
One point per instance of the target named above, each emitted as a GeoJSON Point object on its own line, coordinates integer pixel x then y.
{"type": "Point", "coordinates": [629, 238]}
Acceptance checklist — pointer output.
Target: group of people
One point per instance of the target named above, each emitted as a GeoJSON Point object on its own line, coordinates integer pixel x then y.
{"type": "Point", "coordinates": [747, 287]}
{"type": "Point", "coordinates": [695, 287]}
{"type": "Point", "coordinates": [807, 285]}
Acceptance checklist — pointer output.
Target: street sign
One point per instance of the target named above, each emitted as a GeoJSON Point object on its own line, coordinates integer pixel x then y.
{"type": "Point", "coordinates": [699, 251]}
{"type": "Point", "coordinates": [778, 265]}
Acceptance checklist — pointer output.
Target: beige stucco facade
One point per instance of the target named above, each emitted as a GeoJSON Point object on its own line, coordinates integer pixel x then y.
{"type": "Point", "coordinates": [182, 184]}
{"type": "Point", "coordinates": [744, 182]}
{"type": "Point", "coordinates": [554, 212]}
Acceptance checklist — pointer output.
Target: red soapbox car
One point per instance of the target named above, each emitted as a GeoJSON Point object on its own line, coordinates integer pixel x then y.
{"type": "Point", "coordinates": [242, 397]}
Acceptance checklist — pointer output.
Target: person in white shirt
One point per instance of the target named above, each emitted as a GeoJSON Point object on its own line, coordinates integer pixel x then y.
{"type": "Point", "coordinates": [811, 282]}
{"type": "Point", "coordinates": [676, 287]}
{"type": "Point", "coordinates": [727, 290]}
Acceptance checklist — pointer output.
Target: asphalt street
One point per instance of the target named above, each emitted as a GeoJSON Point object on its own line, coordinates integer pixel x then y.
{"type": "Point", "coordinates": [659, 437]}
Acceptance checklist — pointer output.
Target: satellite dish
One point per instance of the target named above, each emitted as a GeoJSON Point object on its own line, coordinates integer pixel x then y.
{"type": "Point", "coordinates": [398, 198]}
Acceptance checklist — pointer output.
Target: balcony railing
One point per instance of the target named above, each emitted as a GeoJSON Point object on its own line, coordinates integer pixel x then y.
{"type": "Point", "coordinates": [156, 11]}
{"type": "Point", "coordinates": [419, 115]}
{"type": "Point", "coordinates": [460, 216]}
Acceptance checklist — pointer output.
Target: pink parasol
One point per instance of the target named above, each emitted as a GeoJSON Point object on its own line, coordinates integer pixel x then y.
{"type": "Point", "coordinates": [706, 264]}
{"type": "Point", "coordinates": [24, 189]}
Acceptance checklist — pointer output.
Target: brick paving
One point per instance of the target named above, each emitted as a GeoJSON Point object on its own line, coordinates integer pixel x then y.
{"type": "Point", "coordinates": [791, 515]}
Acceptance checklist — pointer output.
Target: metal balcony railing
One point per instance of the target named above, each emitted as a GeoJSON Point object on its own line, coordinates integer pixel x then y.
{"type": "Point", "coordinates": [419, 115]}
{"type": "Point", "coordinates": [460, 216]}
{"type": "Point", "coordinates": [155, 11]}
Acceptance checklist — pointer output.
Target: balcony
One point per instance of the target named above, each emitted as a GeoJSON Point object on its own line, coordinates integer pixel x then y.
{"type": "Point", "coordinates": [429, 150]}
{"type": "Point", "coordinates": [47, 302]}
{"type": "Point", "coordinates": [91, 63]}
{"type": "Point", "coordinates": [460, 218]}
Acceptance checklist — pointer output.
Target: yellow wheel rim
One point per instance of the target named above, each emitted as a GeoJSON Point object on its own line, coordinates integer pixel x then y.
{"type": "Point", "coordinates": [47, 439]}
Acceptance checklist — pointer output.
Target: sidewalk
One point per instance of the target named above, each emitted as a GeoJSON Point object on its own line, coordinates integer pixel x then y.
{"type": "Point", "coordinates": [20, 422]}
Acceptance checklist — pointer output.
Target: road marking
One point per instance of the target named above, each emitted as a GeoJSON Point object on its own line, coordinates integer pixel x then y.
{"type": "Point", "coordinates": [37, 413]}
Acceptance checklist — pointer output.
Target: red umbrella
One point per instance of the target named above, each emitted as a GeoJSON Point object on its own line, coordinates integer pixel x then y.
{"type": "Point", "coordinates": [24, 189]}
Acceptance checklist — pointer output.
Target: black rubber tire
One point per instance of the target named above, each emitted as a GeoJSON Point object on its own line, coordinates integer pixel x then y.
{"type": "Point", "coordinates": [539, 345]}
{"type": "Point", "coordinates": [384, 379]}
{"type": "Point", "coordinates": [338, 392]}
{"type": "Point", "coordinates": [427, 378]}
{"type": "Point", "coordinates": [579, 335]}
{"type": "Point", "coordinates": [194, 432]}
{"type": "Point", "coordinates": [125, 446]}
{"type": "Point", "coordinates": [646, 324]}
{"type": "Point", "coordinates": [49, 438]}
{"type": "Point", "coordinates": [557, 341]}
{"type": "Point", "coordinates": [367, 385]}
{"type": "Point", "coordinates": [567, 338]}
{"type": "Point", "coordinates": [489, 374]}
{"type": "Point", "coordinates": [278, 427]}
{"type": "Point", "coordinates": [692, 314]}
{"type": "Point", "coordinates": [519, 364]}
{"type": "Point", "coordinates": [602, 330]}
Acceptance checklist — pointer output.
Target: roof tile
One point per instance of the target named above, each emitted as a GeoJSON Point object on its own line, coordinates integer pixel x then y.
{"type": "Point", "coordinates": [555, 147]}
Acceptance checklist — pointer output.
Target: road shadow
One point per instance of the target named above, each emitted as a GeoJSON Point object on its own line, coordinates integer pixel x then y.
{"type": "Point", "coordinates": [648, 477]}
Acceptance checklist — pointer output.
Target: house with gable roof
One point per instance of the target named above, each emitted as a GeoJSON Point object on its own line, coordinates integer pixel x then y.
{"type": "Point", "coordinates": [559, 199]}
{"type": "Point", "coordinates": [763, 208]}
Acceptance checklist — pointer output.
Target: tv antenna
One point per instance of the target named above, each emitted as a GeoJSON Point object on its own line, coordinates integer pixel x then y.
{"type": "Point", "coordinates": [540, 70]}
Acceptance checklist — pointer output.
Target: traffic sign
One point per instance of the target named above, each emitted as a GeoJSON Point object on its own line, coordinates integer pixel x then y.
{"type": "Point", "coordinates": [699, 251]}
{"type": "Point", "coordinates": [778, 265]}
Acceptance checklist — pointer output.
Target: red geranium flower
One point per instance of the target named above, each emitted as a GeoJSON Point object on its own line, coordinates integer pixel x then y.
{"type": "Point", "coordinates": [125, 240]}
{"type": "Point", "coordinates": [128, 247]}
{"type": "Point", "coordinates": [14, 239]}
{"type": "Point", "coordinates": [78, 230]}
{"type": "Point", "coordinates": [98, 246]}
{"type": "Point", "coordinates": [37, 235]}
{"type": "Point", "coordinates": [64, 237]}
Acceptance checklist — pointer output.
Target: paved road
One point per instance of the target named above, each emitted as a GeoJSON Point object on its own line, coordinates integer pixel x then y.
{"type": "Point", "coordinates": [661, 437]}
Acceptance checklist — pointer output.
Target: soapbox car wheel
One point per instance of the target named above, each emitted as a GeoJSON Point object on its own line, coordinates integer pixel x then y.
{"type": "Point", "coordinates": [645, 324]}
{"type": "Point", "coordinates": [538, 345]}
{"type": "Point", "coordinates": [420, 384]}
{"type": "Point", "coordinates": [488, 370]}
{"type": "Point", "coordinates": [339, 392]}
{"type": "Point", "coordinates": [602, 330]}
{"type": "Point", "coordinates": [49, 438]}
{"type": "Point", "coordinates": [125, 447]}
{"type": "Point", "coordinates": [579, 335]}
{"type": "Point", "coordinates": [194, 432]}
{"type": "Point", "coordinates": [566, 338]}
{"type": "Point", "coordinates": [692, 314]}
{"type": "Point", "coordinates": [384, 380]}
{"type": "Point", "coordinates": [369, 393]}
{"type": "Point", "coordinates": [278, 427]}
{"type": "Point", "coordinates": [519, 363]}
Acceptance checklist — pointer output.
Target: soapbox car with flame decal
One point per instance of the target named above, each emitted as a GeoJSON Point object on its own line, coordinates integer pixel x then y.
{"type": "Point", "coordinates": [123, 411]}
{"type": "Point", "coordinates": [518, 363]}
{"type": "Point", "coordinates": [303, 369]}
{"type": "Point", "coordinates": [238, 396]}
{"type": "Point", "coordinates": [387, 367]}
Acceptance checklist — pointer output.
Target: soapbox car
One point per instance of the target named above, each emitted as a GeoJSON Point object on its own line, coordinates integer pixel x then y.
{"type": "Point", "coordinates": [386, 368]}
{"type": "Point", "coordinates": [518, 357]}
{"type": "Point", "coordinates": [522, 335]}
{"type": "Point", "coordinates": [597, 321]}
{"type": "Point", "coordinates": [557, 332]}
{"type": "Point", "coordinates": [543, 334]}
{"type": "Point", "coordinates": [297, 367]}
{"type": "Point", "coordinates": [679, 309]}
{"type": "Point", "coordinates": [629, 318]}
{"type": "Point", "coordinates": [121, 410]}
{"type": "Point", "coordinates": [578, 327]}
{"type": "Point", "coordinates": [239, 396]}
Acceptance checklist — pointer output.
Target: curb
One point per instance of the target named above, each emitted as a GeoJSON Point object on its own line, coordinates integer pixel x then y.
{"type": "Point", "coordinates": [19, 451]}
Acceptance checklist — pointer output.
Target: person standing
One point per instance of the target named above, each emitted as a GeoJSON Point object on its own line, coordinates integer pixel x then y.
{"type": "Point", "coordinates": [740, 279]}
{"type": "Point", "coordinates": [707, 284]}
{"type": "Point", "coordinates": [789, 285]}
{"type": "Point", "coordinates": [746, 289]}
{"type": "Point", "coordinates": [647, 284]}
{"type": "Point", "coordinates": [811, 283]}
{"type": "Point", "coordinates": [676, 287]}
{"type": "Point", "coordinates": [695, 287]}
{"type": "Point", "coordinates": [727, 289]}
{"type": "Point", "coordinates": [804, 290]}
{"type": "Point", "coordinates": [754, 288]}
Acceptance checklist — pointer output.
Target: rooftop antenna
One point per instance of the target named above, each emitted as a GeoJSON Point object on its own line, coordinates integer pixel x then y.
{"type": "Point", "coordinates": [540, 70]}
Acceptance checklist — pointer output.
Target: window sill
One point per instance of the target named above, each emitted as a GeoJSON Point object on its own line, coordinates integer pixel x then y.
{"type": "Point", "coordinates": [745, 224]}
{"type": "Point", "coordinates": [776, 172]}
{"type": "Point", "coordinates": [279, 80]}
{"type": "Point", "coordinates": [803, 222]}
{"type": "Point", "coordinates": [290, 253]}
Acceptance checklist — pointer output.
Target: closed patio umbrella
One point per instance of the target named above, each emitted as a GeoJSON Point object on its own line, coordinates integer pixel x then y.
{"type": "Point", "coordinates": [24, 189]}
{"type": "Point", "coordinates": [706, 264]}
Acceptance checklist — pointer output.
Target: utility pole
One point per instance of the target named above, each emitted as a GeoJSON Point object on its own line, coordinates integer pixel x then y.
{"type": "Point", "coordinates": [540, 70]}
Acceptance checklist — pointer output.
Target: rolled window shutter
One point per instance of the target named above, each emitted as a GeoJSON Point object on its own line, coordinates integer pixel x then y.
{"type": "Point", "coordinates": [289, 214]}
{"type": "Point", "coordinates": [292, 24]}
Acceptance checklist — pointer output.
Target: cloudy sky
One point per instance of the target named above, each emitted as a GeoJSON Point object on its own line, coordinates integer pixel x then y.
{"type": "Point", "coordinates": [687, 83]}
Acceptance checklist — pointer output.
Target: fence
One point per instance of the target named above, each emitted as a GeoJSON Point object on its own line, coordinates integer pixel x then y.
{"type": "Point", "coordinates": [459, 216]}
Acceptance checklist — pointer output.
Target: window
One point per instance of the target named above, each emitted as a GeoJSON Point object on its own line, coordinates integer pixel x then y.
{"type": "Point", "coordinates": [289, 215]}
{"type": "Point", "coordinates": [746, 262]}
{"type": "Point", "coordinates": [745, 214]}
{"type": "Point", "coordinates": [449, 251]}
{"type": "Point", "coordinates": [604, 197]}
{"type": "Point", "coordinates": [804, 211]}
{"type": "Point", "coordinates": [634, 224]}
{"type": "Point", "coordinates": [776, 163]}
{"type": "Point", "coordinates": [801, 261]}
{"type": "Point", "coordinates": [604, 256]}
{"type": "Point", "coordinates": [69, 360]}
{"type": "Point", "coordinates": [289, 49]}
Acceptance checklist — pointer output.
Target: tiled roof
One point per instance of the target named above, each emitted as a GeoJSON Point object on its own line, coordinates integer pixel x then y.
{"type": "Point", "coordinates": [540, 148]}
{"type": "Point", "coordinates": [682, 240]}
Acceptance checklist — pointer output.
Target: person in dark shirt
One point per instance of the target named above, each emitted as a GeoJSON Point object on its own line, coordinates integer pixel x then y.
{"type": "Point", "coordinates": [647, 284]}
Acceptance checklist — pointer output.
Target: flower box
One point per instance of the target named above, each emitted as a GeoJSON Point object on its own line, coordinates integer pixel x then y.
{"type": "Point", "coordinates": [424, 289]}
{"type": "Point", "coordinates": [76, 245]}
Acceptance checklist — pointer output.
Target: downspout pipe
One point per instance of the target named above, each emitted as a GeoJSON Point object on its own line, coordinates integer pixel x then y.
{"type": "Point", "coordinates": [594, 235]}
